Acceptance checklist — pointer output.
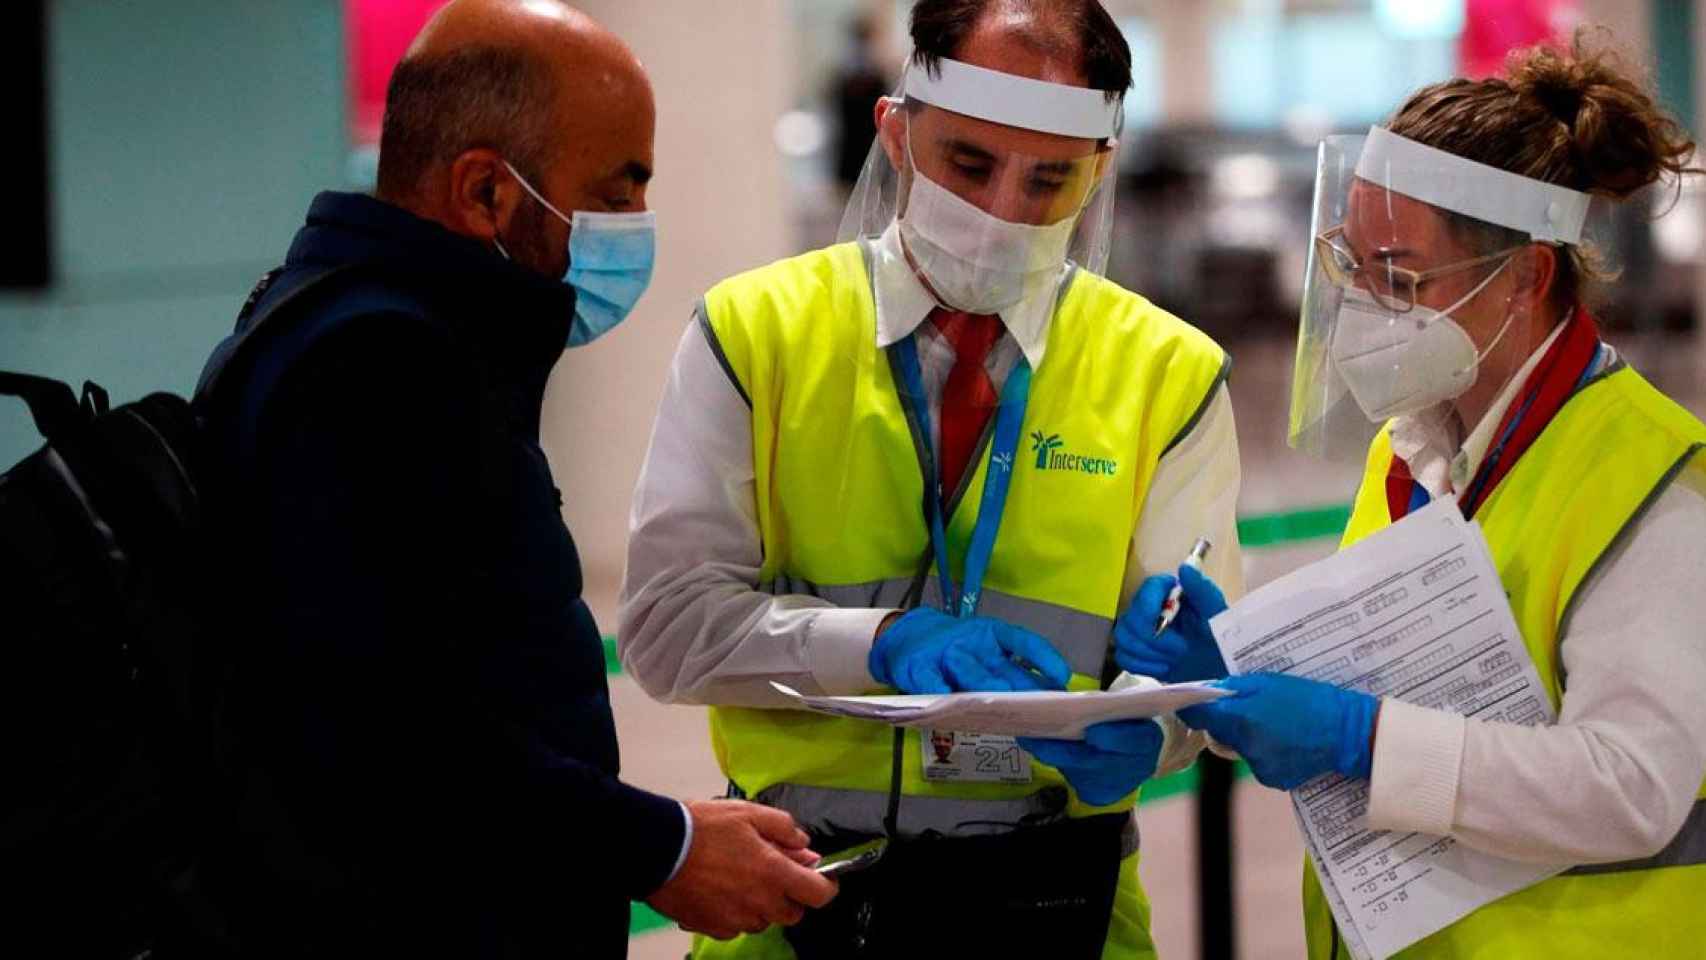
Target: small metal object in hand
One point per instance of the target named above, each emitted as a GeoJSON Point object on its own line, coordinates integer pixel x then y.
{"type": "Point", "coordinates": [853, 859]}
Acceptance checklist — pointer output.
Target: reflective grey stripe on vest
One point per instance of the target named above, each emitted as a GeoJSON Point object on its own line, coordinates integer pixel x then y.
{"type": "Point", "coordinates": [837, 811]}
{"type": "Point", "coordinates": [1082, 638]}
{"type": "Point", "coordinates": [1686, 849]}
{"type": "Point", "coordinates": [702, 315]}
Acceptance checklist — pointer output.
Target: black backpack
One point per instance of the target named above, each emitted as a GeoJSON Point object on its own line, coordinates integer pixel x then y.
{"type": "Point", "coordinates": [110, 685]}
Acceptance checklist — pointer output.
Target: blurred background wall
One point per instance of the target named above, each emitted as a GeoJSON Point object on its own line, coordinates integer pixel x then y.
{"type": "Point", "coordinates": [721, 71]}
{"type": "Point", "coordinates": [184, 139]}
{"type": "Point", "coordinates": [172, 147]}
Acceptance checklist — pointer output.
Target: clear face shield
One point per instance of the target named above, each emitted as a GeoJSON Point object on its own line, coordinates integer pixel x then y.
{"type": "Point", "coordinates": [993, 183]}
{"type": "Point", "coordinates": [1421, 266]}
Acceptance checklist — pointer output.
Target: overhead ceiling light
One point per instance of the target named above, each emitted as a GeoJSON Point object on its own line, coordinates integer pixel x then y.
{"type": "Point", "coordinates": [1420, 18]}
{"type": "Point", "coordinates": [1244, 176]}
{"type": "Point", "coordinates": [800, 133]}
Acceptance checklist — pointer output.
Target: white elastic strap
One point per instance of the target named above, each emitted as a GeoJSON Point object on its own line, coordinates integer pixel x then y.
{"type": "Point", "coordinates": [536, 194]}
{"type": "Point", "coordinates": [1016, 101]}
{"type": "Point", "coordinates": [1544, 211]}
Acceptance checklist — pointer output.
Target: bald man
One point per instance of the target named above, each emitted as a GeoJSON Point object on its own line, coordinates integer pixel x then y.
{"type": "Point", "coordinates": [430, 763]}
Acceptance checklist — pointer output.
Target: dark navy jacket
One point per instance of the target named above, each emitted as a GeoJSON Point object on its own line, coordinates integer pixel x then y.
{"type": "Point", "coordinates": [420, 694]}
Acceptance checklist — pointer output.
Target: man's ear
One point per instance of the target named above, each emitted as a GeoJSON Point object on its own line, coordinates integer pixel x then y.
{"type": "Point", "coordinates": [891, 130]}
{"type": "Point", "coordinates": [484, 195]}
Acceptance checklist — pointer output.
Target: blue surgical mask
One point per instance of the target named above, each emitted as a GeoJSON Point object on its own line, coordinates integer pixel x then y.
{"type": "Point", "coordinates": [610, 264]}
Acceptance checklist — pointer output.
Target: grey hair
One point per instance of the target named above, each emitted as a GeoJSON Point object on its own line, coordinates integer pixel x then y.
{"type": "Point", "coordinates": [439, 106]}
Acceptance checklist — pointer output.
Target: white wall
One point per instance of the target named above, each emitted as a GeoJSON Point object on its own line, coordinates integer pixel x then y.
{"type": "Point", "coordinates": [1184, 29]}
{"type": "Point", "coordinates": [720, 73]}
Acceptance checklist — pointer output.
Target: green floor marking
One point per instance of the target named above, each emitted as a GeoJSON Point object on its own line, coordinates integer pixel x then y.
{"type": "Point", "coordinates": [644, 919]}
{"type": "Point", "coordinates": [1293, 526]}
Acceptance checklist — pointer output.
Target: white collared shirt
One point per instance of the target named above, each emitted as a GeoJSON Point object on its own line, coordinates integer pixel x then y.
{"type": "Point", "coordinates": [1615, 777]}
{"type": "Point", "coordinates": [1427, 441]}
{"type": "Point", "coordinates": [903, 304]}
{"type": "Point", "coordinates": [693, 628]}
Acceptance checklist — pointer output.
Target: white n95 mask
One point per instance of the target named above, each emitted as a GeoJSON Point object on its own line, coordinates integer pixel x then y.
{"type": "Point", "coordinates": [976, 261]}
{"type": "Point", "coordinates": [1400, 364]}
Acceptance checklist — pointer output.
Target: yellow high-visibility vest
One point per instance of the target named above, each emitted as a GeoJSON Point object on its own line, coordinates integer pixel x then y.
{"type": "Point", "coordinates": [839, 492]}
{"type": "Point", "coordinates": [1610, 451]}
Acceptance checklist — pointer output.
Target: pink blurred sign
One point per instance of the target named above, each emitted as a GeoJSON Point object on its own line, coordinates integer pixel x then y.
{"type": "Point", "coordinates": [1493, 28]}
{"type": "Point", "coordinates": [376, 34]}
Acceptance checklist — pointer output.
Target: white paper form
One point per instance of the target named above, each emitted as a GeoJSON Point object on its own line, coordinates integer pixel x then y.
{"type": "Point", "coordinates": [1416, 613]}
{"type": "Point", "coordinates": [1035, 713]}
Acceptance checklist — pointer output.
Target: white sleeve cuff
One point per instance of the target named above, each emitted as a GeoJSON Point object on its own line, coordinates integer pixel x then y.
{"type": "Point", "coordinates": [686, 843]}
{"type": "Point", "coordinates": [838, 648]}
{"type": "Point", "coordinates": [1179, 743]}
{"type": "Point", "coordinates": [1418, 757]}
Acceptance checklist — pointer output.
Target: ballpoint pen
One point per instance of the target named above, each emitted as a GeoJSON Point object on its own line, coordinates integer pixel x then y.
{"type": "Point", "coordinates": [1170, 608]}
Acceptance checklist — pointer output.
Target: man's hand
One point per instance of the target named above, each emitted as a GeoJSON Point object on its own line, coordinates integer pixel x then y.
{"type": "Point", "coordinates": [748, 869]}
{"type": "Point", "coordinates": [1108, 764]}
{"type": "Point", "coordinates": [1186, 649]}
{"type": "Point", "coordinates": [1290, 729]}
{"type": "Point", "coordinates": [927, 651]}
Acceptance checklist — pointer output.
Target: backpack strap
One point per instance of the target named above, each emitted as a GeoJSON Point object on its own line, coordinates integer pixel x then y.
{"type": "Point", "coordinates": [52, 403]}
{"type": "Point", "coordinates": [267, 320]}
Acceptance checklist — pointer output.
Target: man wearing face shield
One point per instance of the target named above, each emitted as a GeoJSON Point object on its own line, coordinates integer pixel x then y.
{"type": "Point", "coordinates": [940, 456]}
{"type": "Point", "coordinates": [1445, 301]}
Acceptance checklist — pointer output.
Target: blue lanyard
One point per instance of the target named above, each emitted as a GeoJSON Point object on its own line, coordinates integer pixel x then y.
{"type": "Point", "coordinates": [1419, 497]}
{"type": "Point", "coordinates": [1491, 464]}
{"type": "Point", "coordinates": [1009, 421]}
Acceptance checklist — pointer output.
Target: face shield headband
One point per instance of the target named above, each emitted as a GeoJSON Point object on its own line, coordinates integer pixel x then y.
{"type": "Point", "coordinates": [1545, 211]}
{"type": "Point", "coordinates": [1016, 101]}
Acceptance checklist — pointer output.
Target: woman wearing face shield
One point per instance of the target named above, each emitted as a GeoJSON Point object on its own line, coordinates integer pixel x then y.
{"type": "Point", "coordinates": [940, 456]}
{"type": "Point", "coordinates": [1448, 301]}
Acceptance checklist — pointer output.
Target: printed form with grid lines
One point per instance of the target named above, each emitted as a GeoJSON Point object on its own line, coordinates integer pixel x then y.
{"type": "Point", "coordinates": [1417, 613]}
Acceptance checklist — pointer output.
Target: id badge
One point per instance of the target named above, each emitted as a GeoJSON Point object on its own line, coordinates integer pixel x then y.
{"type": "Point", "coordinates": [951, 756]}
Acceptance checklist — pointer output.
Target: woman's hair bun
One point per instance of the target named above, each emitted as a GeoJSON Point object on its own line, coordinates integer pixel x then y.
{"type": "Point", "coordinates": [1556, 83]}
{"type": "Point", "coordinates": [1619, 137]}
{"type": "Point", "coordinates": [1577, 118]}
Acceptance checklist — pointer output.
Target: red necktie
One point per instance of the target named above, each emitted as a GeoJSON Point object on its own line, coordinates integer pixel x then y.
{"type": "Point", "coordinates": [969, 396]}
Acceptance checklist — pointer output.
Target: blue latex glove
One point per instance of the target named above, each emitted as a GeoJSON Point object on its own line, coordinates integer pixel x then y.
{"type": "Point", "coordinates": [927, 651]}
{"type": "Point", "coordinates": [1186, 649]}
{"type": "Point", "coordinates": [1108, 764]}
{"type": "Point", "coordinates": [1291, 730]}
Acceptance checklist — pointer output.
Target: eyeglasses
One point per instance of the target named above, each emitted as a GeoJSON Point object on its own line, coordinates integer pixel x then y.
{"type": "Point", "coordinates": [1394, 288]}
